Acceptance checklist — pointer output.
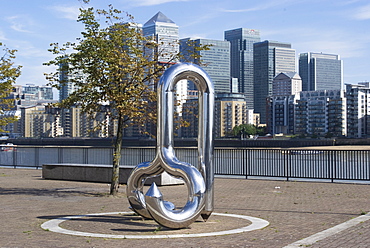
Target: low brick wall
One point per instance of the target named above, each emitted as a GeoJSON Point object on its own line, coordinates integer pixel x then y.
{"type": "Point", "coordinates": [98, 173]}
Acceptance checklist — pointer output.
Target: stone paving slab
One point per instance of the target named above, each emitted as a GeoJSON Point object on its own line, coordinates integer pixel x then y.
{"type": "Point", "coordinates": [295, 210]}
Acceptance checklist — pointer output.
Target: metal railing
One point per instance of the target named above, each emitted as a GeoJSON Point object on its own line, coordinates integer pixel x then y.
{"type": "Point", "coordinates": [246, 162]}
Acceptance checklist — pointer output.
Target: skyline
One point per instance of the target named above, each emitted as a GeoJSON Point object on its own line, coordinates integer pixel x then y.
{"type": "Point", "coordinates": [325, 26]}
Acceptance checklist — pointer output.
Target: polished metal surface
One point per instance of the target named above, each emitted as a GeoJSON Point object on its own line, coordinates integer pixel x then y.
{"type": "Point", "coordinates": [200, 178]}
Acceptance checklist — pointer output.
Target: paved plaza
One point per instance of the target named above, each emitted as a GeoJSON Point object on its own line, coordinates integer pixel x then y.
{"type": "Point", "coordinates": [300, 214]}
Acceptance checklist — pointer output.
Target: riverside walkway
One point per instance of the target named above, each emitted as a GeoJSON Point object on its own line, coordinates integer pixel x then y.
{"type": "Point", "coordinates": [300, 214]}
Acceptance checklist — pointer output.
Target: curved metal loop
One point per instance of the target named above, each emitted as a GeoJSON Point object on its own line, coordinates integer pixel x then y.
{"type": "Point", "coordinates": [199, 179]}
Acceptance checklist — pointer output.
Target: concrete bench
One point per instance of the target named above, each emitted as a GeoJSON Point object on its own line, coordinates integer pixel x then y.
{"type": "Point", "coordinates": [100, 173]}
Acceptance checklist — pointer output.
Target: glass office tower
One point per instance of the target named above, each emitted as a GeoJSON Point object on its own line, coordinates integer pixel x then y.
{"type": "Point", "coordinates": [216, 60]}
{"type": "Point", "coordinates": [320, 71]}
{"type": "Point", "coordinates": [241, 60]}
{"type": "Point", "coordinates": [166, 33]}
{"type": "Point", "coordinates": [270, 59]}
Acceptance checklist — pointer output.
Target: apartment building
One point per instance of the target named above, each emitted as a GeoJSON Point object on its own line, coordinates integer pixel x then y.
{"type": "Point", "coordinates": [40, 121]}
{"type": "Point", "coordinates": [230, 111]}
{"type": "Point", "coordinates": [358, 110]}
{"type": "Point", "coordinates": [321, 113]}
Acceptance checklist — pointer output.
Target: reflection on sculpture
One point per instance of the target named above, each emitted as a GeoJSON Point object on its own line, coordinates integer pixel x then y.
{"type": "Point", "coordinates": [200, 178]}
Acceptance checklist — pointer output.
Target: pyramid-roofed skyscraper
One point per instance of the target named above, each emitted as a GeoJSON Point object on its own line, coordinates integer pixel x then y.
{"type": "Point", "coordinates": [164, 32]}
{"type": "Point", "coordinates": [159, 17]}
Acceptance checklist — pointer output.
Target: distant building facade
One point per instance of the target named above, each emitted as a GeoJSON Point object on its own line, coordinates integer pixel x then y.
{"type": "Point", "coordinates": [166, 33]}
{"type": "Point", "coordinates": [286, 83]}
{"type": "Point", "coordinates": [216, 59]}
{"type": "Point", "coordinates": [30, 95]}
{"type": "Point", "coordinates": [321, 113]}
{"type": "Point", "coordinates": [241, 59]}
{"type": "Point", "coordinates": [13, 130]}
{"type": "Point", "coordinates": [320, 71]}
{"type": "Point", "coordinates": [75, 123]}
{"type": "Point", "coordinates": [270, 59]}
{"type": "Point", "coordinates": [190, 116]}
{"type": "Point", "coordinates": [358, 110]}
{"type": "Point", "coordinates": [230, 111]}
{"type": "Point", "coordinates": [40, 92]}
{"type": "Point", "coordinates": [281, 114]}
{"type": "Point", "coordinates": [40, 122]}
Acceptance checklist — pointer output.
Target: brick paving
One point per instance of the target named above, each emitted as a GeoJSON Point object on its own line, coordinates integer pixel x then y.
{"type": "Point", "coordinates": [355, 237]}
{"type": "Point", "coordinates": [295, 210]}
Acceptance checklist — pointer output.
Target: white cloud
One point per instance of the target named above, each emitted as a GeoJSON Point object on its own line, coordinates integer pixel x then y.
{"type": "Point", "coordinates": [20, 23]}
{"type": "Point", "coordinates": [349, 2]}
{"type": "Point", "coordinates": [325, 40]}
{"type": "Point", "coordinates": [67, 12]}
{"type": "Point", "coordinates": [333, 42]}
{"type": "Point", "coordinates": [153, 2]}
{"type": "Point", "coordinates": [263, 6]}
{"type": "Point", "coordinates": [343, 48]}
{"type": "Point", "coordinates": [2, 36]}
{"type": "Point", "coordinates": [363, 13]}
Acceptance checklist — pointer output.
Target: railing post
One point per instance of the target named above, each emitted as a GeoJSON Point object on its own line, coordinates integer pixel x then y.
{"type": "Point", "coordinates": [143, 154]}
{"type": "Point", "coordinates": [286, 157]}
{"type": "Point", "coordinates": [332, 166]}
{"type": "Point", "coordinates": [245, 155]}
{"type": "Point", "coordinates": [85, 155]}
{"type": "Point", "coordinates": [37, 157]}
{"type": "Point", "coordinates": [60, 155]}
{"type": "Point", "coordinates": [15, 158]}
{"type": "Point", "coordinates": [367, 163]}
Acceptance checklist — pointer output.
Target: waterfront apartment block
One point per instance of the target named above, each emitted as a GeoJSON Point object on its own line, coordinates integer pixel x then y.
{"type": "Point", "coordinates": [321, 113]}
{"type": "Point", "coordinates": [30, 95]}
{"type": "Point", "coordinates": [326, 113]}
{"type": "Point", "coordinates": [286, 83]}
{"type": "Point", "coordinates": [40, 92]}
{"type": "Point", "coordinates": [43, 121]}
{"type": "Point", "coordinates": [230, 111]}
{"type": "Point", "coordinates": [40, 122]}
{"type": "Point", "coordinates": [13, 130]}
{"type": "Point", "coordinates": [190, 116]}
{"type": "Point", "coordinates": [75, 123]}
{"type": "Point", "coordinates": [281, 114]}
{"type": "Point", "coordinates": [358, 110]}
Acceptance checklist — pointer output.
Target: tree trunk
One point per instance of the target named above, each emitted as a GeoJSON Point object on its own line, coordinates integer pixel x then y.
{"type": "Point", "coordinates": [117, 157]}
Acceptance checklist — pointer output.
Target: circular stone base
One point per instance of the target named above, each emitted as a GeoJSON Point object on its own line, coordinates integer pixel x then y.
{"type": "Point", "coordinates": [127, 225]}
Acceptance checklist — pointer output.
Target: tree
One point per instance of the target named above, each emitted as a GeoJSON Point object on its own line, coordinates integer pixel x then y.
{"type": "Point", "coordinates": [112, 63]}
{"type": "Point", "coordinates": [261, 130]}
{"type": "Point", "coordinates": [244, 130]}
{"type": "Point", "coordinates": [8, 76]}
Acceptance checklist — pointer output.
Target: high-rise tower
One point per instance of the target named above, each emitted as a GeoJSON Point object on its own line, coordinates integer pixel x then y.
{"type": "Point", "coordinates": [166, 33]}
{"type": "Point", "coordinates": [217, 59]}
{"type": "Point", "coordinates": [241, 59]}
{"type": "Point", "coordinates": [320, 71]}
{"type": "Point", "coordinates": [270, 59]}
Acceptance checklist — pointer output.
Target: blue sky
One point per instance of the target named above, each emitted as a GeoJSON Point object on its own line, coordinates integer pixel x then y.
{"type": "Point", "coordinates": [329, 26]}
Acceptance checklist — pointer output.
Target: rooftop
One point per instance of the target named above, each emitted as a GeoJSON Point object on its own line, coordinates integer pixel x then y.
{"type": "Point", "coordinates": [159, 17]}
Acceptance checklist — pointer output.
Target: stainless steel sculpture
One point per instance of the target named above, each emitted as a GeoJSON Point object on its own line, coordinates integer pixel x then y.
{"type": "Point", "coordinates": [199, 179]}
